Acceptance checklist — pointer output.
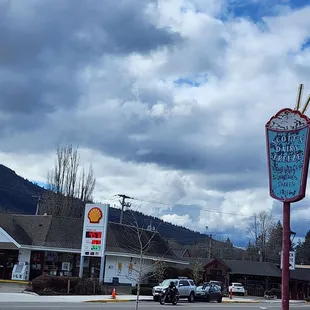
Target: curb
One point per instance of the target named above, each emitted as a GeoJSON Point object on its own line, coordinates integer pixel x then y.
{"type": "Point", "coordinates": [241, 301]}
{"type": "Point", "coordinates": [109, 300]}
{"type": "Point", "coordinates": [15, 281]}
{"type": "Point", "coordinates": [30, 293]}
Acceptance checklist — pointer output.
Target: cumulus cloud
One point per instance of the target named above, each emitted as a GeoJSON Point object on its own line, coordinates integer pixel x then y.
{"type": "Point", "coordinates": [168, 99]}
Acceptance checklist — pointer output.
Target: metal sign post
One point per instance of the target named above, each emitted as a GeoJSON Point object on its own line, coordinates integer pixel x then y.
{"type": "Point", "coordinates": [288, 150]}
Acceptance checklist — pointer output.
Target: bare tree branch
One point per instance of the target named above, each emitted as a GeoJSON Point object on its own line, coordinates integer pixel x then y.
{"type": "Point", "coordinates": [260, 228]}
{"type": "Point", "coordinates": [69, 186]}
{"type": "Point", "coordinates": [141, 242]}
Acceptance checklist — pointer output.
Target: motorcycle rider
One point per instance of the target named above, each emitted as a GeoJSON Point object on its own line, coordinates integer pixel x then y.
{"type": "Point", "coordinates": [172, 289]}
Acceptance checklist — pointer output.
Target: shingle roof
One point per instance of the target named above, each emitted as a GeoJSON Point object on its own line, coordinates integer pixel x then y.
{"type": "Point", "coordinates": [193, 260]}
{"type": "Point", "coordinates": [59, 232]}
{"type": "Point", "coordinates": [265, 269]}
{"type": "Point", "coordinates": [253, 268]}
{"type": "Point", "coordinates": [178, 252]}
{"type": "Point", "coordinates": [300, 274]}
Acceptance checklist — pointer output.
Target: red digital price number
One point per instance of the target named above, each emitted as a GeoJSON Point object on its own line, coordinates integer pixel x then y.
{"type": "Point", "coordinates": [94, 234]}
{"type": "Point", "coordinates": [96, 242]}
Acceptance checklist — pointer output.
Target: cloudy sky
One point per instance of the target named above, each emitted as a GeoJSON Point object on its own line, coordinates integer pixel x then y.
{"type": "Point", "coordinates": [167, 99]}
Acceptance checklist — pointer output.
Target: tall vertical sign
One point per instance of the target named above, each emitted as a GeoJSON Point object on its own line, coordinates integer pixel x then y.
{"type": "Point", "coordinates": [288, 155]}
{"type": "Point", "coordinates": [94, 234]}
{"type": "Point", "coordinates": [288, 150]}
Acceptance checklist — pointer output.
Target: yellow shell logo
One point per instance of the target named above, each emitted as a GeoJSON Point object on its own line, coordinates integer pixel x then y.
{"type": "Point", "coordinates": [94, 215]}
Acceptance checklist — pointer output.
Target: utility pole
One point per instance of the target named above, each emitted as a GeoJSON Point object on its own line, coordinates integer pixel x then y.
{"type": "Point", "coordinates": [210, 245]}
{"type": "Point", "coordinates": [39, 199]}
{"type": "Point", "coordinates": [123, 205]}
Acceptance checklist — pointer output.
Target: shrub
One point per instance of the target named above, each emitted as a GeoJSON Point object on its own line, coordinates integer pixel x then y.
{"type": "Point", "coordinates": [276, 292]}
{"type": "Point", "coordinates": [186, 272]}
{"type": "Point", "coordinates": [145, 285]}
{"type": "Point", "coordinates": [273, 292]}
{"type": "Point", "coordinates": [88, 286]}
{"type": "Point", "coordinates": [52, 285]}
{"type": "Point", "coordinates": [172, 273]}
{"type": "Point", "coordinates": [145, 291]}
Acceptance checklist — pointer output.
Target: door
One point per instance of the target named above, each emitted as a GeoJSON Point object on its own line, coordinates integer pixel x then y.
{"type": "Point", "coordinates": [3, 261]}
{"type": "Point", "coordinates": [184, 288]}
{"type": "Point", "coordinates": [36, 264]}
{"type": "Point", "coordinates": [8, 258]}
{"type": "Point", "coordinates": [212, 293]}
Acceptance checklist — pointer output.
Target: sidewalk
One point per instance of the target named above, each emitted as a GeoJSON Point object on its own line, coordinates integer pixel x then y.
{"type": "Point", "coordinates": [27, 297]}
{"type": "Point", "coordinates": [33, 298]}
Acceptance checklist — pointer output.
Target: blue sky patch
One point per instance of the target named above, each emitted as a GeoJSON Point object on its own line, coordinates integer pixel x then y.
{"type": "Point", "coordinates": [257, 9]}
{"type": "Point", "coordinates": [42, 184]}
{"type": "Point", "coordinates": [186, 81]}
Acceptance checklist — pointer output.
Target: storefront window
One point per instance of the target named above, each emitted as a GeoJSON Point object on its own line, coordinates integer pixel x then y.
{"type": "Point", "coordinates": [51, 263]}
{"type": "Point", "coordinates": [36, 264]}
{"type": "Point", "coordinates": [8, 258]}
{"type": "Point", "coordinates": [59, 264]}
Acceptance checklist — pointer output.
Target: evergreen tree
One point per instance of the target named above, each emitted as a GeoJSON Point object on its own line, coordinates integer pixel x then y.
{"type": "Point", "coordinates": [252, 252]}
{"type": "Point", "coordinates": [274, 244]}
{"type": "Point", "coordinates": [303, 250]}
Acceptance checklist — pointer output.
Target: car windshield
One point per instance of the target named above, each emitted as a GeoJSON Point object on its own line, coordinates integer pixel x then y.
{"type": "Point", "coordinates": [167, 282]}
{"type": "Point", "coordinates": [206, 287]}
{"type": "Point", "coordinates": [237, 284]}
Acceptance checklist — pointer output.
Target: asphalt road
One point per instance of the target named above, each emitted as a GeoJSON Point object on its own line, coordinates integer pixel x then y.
{"type": "Point", "coordinates": [144, 306]}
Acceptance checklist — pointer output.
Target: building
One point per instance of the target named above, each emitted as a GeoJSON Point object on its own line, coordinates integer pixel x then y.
{"type": "Point", "coordinates": [53, 244]}
{"type": "Point", "coordinates": [182, 252]}
{"type": "Point", "coordinates": [257, 277]}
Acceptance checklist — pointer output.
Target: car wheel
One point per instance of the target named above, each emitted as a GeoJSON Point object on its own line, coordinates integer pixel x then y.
{"type": "Point", "coordinates": [219, 300]}
{"type": "Point", "coordinates": [242, 294]}
{"type": "Point", "coordinates": [208, 298]}
{"type": "Point", "coordinates": [191, 297]}
{"type": "Point", "coordinates": [156, 298]}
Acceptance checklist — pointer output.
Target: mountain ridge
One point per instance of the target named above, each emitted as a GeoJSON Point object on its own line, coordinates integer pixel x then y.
{"type": "Point", "coordinates": [17, 196]}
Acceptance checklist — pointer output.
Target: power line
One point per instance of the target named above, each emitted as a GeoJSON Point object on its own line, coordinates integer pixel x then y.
{"type": "Point", "coordinates": [206, 209]}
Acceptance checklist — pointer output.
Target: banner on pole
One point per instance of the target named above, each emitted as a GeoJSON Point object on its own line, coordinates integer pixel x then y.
{"type": "Point", "coordinates": [291, 261]}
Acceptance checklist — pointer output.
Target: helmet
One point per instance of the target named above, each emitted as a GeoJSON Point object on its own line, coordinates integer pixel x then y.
{"type": "Point", "coordinates": [171, 283]}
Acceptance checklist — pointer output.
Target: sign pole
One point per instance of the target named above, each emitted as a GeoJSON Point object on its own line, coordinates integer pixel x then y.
{"type": "Point", "coordinates": [288, 153]}
{"type": "Point", "coordinates": [286, 255]}
{"type": "Point", "coordinates": [81, 266]}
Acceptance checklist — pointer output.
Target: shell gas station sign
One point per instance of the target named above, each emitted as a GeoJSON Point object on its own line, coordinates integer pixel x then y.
{"type": "Point", "coordinates": [95, 230]}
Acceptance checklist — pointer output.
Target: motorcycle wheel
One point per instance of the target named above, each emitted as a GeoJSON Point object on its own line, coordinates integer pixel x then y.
{"type": "Point", "coordinates": [175, 301]}
{"type": "Point", "coordinates": [162, 299]}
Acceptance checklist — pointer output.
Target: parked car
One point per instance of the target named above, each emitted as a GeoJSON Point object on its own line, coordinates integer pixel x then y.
{"type": "Point", "coordinates": [218, 283]}
{"type": "Point", "coordinates": [209, 292]}
{"type": "Point", "coordinates": [237, 289]}
{"type": "Point", "coordinates": [185, 286]}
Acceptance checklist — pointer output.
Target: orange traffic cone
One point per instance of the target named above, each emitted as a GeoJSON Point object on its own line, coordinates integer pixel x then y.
{"type": "Point", "coordinates": [230, 293]}
{"type": "Point", "coordinates": [114, 294]}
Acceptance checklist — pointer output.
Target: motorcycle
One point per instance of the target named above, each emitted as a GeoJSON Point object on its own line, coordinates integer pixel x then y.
{"type": "Point", "coordinates": [166, 297]}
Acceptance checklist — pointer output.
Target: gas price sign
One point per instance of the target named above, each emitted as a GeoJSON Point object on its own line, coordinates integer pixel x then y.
{"type": "Point", "coordinates": [94, 230]}
{"type": "Point", "coordinates": [92, 242]}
